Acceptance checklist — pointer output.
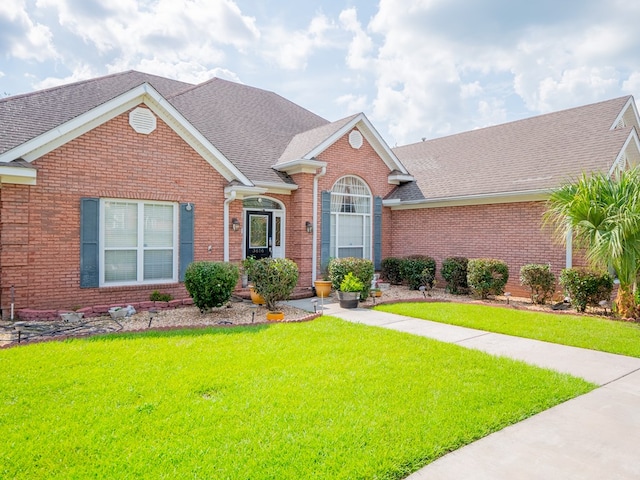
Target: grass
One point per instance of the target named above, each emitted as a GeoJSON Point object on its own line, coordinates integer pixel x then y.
{"type": "Point", "coordinates": [576, 330]}
{"type": "Point", "coordinates": [323, 399]}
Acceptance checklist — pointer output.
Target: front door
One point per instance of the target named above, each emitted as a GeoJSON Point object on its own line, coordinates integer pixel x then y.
{"type": "Point", "coordinates": [259, 243]}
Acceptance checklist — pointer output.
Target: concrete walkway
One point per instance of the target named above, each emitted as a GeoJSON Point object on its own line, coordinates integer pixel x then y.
{"type": "Point", "coordinates": [595, 436]}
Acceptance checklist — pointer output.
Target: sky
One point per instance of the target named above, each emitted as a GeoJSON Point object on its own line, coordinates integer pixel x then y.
{"type": "Point", "coordinates": [419, 69]}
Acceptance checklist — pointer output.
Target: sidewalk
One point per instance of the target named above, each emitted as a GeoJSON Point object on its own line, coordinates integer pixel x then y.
{"type": "Point", "coordinates": [595, 436]}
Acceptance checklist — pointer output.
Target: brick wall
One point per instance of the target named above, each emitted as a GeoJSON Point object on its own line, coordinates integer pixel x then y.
{"type": "Point", "coordinates": [40, 248]}
{"type": "Point", "coordinates": [511, 232]}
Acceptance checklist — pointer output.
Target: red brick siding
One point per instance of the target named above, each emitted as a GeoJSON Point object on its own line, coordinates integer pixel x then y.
{"type": "Point", "coordinates": [511, 232]}
{"type": "Point", "coordinates": [40, 224]}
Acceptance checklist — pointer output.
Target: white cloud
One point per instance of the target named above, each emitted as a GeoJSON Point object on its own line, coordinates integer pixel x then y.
{"type": "Point", "coordinates": [361, 46]}
{"type": "Point", "coordinates": [79, 73]}
{"type": "Point", "coordinates": [20, 37]}
{"type": "Point", "coordinates": [353, 103]}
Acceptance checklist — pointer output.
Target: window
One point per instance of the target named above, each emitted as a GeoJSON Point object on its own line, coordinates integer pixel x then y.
{"type": "Point", "coordinates": [138, 242]}
{"type": "Point", "coordinates": [350, 218]}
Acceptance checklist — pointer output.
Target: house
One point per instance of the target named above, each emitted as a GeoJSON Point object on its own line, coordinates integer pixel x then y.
{"type": "Point", "coordinates": [110, 187]}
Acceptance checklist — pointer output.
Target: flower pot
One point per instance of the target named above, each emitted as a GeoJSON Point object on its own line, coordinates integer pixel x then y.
{"type": "Point", "coordinates": [275, 316]}
{"type": "Point", "coordinates": [349, 299]}
{"type": "Point", "coordinates": [323, 288]}
{"type": "Point", "coordinates": [256, 297]}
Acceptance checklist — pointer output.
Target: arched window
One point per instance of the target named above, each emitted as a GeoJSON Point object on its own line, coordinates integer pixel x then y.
{"type": "Point", "coordinates": [350, 218]}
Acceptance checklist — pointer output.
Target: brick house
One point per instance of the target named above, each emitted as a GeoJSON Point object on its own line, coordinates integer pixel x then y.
{"type": "Point", "coordinates": [110, 187]}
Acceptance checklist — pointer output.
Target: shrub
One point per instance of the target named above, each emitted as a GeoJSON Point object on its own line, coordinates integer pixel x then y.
{"type": "Point", "coordinates": [210, 284]}
{"type": "Point", "coordinates": [391, 270]}
{"type": "Point", "coordinates": [273, 278]}
{"type": "Point", "coordinates": [586, 287]}
{"type": "Point", "coordinates": [361, 268]}
{"type": "Point", "coordinates": [418, 270]}
{"type": "Point", "coordinates": [454, 272]}
{"type": "Point", "coordinates": [156, 296]}
{"type": "Point", "coordinates": [540, 279]}
{"type": "Point", "coordinates": [351, 283]}
{"type": "Point", "coordinates": [487, 276]}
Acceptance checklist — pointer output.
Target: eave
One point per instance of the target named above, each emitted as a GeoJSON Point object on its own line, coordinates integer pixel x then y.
{"type": "Point", "coordinates": [463, 200]}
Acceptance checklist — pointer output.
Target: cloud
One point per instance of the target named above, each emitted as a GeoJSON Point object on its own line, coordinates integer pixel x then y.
{"type": "Point", "coordinates": [20, 37]}
{"type": "Point", "coordinates": [361, 45]}
{"type": "Point", "coordinates": [353, 103]}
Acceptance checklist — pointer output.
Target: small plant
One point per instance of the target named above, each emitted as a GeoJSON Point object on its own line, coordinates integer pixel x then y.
{"type": "Point", "coordinates": [586, 287]}
{"type": "Point", "coordinates": [418, 271]}
{"type": "Point", "coordinates": [487, 276]}
{"type": "Point", "coordinates": [156, 296]}
{"type": "Point", "coordinates": [272, 278]}
{"type": "Point", "coordinates": [210, 284]}
{"type": "Point", "coordinates": [351, 283]}
{"type": "Point", "coordinates": [361, 268]}
{"type": "Point", "coordinates": [540, 279]}
{"type": "Point", "coordinates": [454, 272]}
{"type": "Point", "coordinates": [391, 270]}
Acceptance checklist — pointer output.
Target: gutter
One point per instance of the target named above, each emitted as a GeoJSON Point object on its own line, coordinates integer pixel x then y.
{"type": "Point", "coordinates": [479, 199]}
{"type": "Point", "coordinates": [225, 219]}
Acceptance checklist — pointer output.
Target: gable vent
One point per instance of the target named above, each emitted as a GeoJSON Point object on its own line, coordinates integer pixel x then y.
{"type": "Point", "coordinates": [355, 139]}
{"type": "Point", "coordinates": [142, 120]}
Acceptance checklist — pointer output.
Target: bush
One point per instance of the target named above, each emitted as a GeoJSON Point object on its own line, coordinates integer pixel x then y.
{"type": "Point", "coordinates": [361, 268]}
{"type": "Point", "coordinates": [273, 278]}
{"type": "Point", "coordinates": [156, 296]}
{"type": "Point", "coordinates": [487, 276]}
{"type": "Point", "coordinates": [391, 270]}
{"type": "Point", "coordinates": [586, 287]}
{"type": "Point", "coordinates": [540, 279]}
{"type": "Point", "coordinates": [351, 283]}
{"type": "Point", "coordinates": [418, 270]}
{"type": "Point", "coordinates": [210, 284]}
{"type": "Point", "coordinates": [454, 272]}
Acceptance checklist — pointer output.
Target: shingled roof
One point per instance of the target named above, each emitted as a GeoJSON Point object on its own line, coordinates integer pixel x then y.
{"type": "Point", "coordinates": [530, 155]}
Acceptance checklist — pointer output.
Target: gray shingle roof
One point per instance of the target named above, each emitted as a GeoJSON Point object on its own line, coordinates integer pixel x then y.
{"type": "Point", "coordinates": [537, 153]}
{"type": "Point", "coordinates": [23, 117]}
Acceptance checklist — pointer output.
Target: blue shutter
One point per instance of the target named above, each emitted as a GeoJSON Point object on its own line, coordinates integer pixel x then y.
{"type": "Point", "coordinates": [377, 233]}
{"type": "Point", "coordinates": [89, 248]}
{"type": "Point", "coordinates": [186, 238]}
{"type": "Point", "coordinates": [325, 228]}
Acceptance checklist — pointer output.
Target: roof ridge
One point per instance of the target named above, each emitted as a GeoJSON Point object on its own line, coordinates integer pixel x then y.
{"type": "Point", "coordinates": [521, 120]}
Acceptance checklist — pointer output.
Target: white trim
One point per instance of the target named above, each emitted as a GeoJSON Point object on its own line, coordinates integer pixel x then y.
{"type": "Point", "coordinates": [622, 155]}
{"type": "Point", "coordinates": [630, 103]}
{"type": "Point", "coordinates": [243, 191]}
{"type": "Point", "coordinates": [482, 199]}
{"type": "Point", "coordinates": [275, 188]}
{"type": "Point", "coordinates": [18, 175]}
{"type": "Point", "coordinates": [314, 240]}
{"type": "Point", "coordinates": [275, 213]}
{"type": "Point", "coordinates": [302, 165]}
{"type": "Point", "coordinates": [146, 94]}
{"type": "Point", "coordinates": [398, 178]}
{"type": "Point", "coordinates": [569, 249]}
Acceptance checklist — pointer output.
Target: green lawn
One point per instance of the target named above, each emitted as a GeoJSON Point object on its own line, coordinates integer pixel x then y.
{"type": "Point", "coordinates": [575, 330]}
{"type": "Point", "coordinates": [323, 399]}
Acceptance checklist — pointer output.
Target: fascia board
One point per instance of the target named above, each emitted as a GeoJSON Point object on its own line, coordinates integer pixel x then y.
{"type": "Point", "coordinates": [18, 175]}
{"type": "Point", "coordinates": [484, 199]}
{"type": "Point", "coordinates": [633, 137]}
{"type": "Point", "coordinates": [631, 103]}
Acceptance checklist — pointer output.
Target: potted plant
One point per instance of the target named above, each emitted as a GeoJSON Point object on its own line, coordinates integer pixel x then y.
{"type": "Point", "coordinates": [323, 287]}
{"type": "Point", "coordinates": [274, 279]}
{"type": "Point", "coordinates": [73, 316]}
{"type": "Point", "coordinates": [349, 292]}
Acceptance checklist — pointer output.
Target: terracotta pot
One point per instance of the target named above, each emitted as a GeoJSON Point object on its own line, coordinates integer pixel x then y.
{"type": "Point", "coordinates": [275, 316]}
{"type": "Point", "coordinates": [256, 297]}
{"type": "Point", "coordinates": [323, 288]}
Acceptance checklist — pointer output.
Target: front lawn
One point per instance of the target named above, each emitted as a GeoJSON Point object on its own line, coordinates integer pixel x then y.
{"type": "Point", "coordinates": [322, 399]}
{"type": "Point", "coordinates": [575, 330]}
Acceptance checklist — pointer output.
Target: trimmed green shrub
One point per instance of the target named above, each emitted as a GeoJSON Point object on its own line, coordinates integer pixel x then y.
{"type": "Point", "coordinates": [362, 269]}
{"type": "Point", "coordinates": [454, 272]}
{"type": "Point", "coordinates": [391, 270]}
{"type": "Point", "coordinates": [210, 284]}
{"type": "Point", "coordinates": [418, 270]}
{"type": "Point", "coordinates": [273, 278]}
{"type": "Point", "coordinates": [540, 279]}
{"type": "Point", "coordinates": [487, 276]}
{"type": "Point", "coordinates": [586, 287]}
{"type": "Point", "coordinates": [156, 296]}
{"type": "Point", "coordinates": [351, 283]}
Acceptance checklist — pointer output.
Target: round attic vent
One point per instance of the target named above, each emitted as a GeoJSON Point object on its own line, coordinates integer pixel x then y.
{"type": "Point", "coordinates": [142, 120]}
{"type": "Point", "coordinates": [355, 139]}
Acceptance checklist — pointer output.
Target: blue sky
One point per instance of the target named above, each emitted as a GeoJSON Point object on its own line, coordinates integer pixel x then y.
{"type": "Point", "coordinates": [417, 68]}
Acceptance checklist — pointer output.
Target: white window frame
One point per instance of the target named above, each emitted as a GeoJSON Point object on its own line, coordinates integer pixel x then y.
{"type": "Point", "coordinates": [367, 253]}
{"type": "Point", "coordinates": [140, 248]}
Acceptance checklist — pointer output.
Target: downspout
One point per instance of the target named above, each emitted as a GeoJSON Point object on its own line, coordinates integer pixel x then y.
{"type": "Point", "coordinates": [569, 253]}
{"type": "Point", "coordinates": [225, 230]}
{"type": "Point", "coordinates": [314, 245]}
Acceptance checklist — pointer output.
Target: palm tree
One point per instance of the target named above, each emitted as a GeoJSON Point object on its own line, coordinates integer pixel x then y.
{"type": "Point", "coordinates": [603, 215]}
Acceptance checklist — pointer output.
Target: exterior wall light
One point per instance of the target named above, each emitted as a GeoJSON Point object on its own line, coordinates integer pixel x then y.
{"type": "Point", "coordinates": [235, 224]}
{"type": "Point", "coordinates": [308, 226]}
